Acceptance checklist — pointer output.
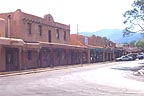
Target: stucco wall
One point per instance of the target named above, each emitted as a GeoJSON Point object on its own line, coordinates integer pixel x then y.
{"type": "Point", "coordinates": [19, 27]}
{"type": "Point", "coordinates": [2, 59]}
{"type": "Point", "coordinates": [2, 27]}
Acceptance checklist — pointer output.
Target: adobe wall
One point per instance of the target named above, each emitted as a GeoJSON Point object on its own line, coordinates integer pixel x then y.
{"type": "Point", "coordinates": [19, 27]}
{"type": "Point", "coordinates": [2, 27]}
{"type": "Point", "coordinates": [2, 59]}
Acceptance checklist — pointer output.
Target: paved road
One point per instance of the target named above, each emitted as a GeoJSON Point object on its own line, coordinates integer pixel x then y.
{"type": "Point", "coordinates": [112, 79]}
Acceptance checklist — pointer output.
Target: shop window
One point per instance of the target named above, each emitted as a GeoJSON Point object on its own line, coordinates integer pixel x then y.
{"type": "Point", "coordinates": [29, 55]}
{"type": "Point", "coordinates": [58, 53]}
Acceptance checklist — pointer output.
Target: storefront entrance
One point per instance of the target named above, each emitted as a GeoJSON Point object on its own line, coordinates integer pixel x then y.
{"type": "Point", "coordinates": [11, 59]}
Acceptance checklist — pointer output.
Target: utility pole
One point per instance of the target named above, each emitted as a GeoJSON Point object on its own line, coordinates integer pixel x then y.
{"type": "Point", "coordinates": [77, 34]}
{"type": "Point", "coordinates": [81, 58]}
{"type": "Point", "coordinates": [77, 29]}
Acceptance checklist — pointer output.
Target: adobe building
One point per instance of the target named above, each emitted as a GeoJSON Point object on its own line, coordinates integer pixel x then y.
{"type": "Point", "coordinates": [28, 41]}
{"type": "Point", "coordinates": [9, 49]}
{"type": "Point", "coordinates": [100, 49]}
{"type": "Point", "coordinates": [32, 28]}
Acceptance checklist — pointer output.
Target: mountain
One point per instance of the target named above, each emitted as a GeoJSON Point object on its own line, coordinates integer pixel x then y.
{"type": "Point", "coordinates": [115, 35]}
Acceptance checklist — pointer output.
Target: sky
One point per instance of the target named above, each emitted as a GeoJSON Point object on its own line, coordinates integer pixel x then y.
{"type": "Point", "coordinates": [89, 15]}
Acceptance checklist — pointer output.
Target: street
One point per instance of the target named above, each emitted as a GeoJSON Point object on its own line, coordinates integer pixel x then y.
{"type": "Point", "coordinates": [111, 79]}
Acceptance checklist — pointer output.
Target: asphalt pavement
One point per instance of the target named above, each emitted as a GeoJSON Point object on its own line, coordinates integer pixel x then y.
{"type": "Point", "coordinates": [99, 79]}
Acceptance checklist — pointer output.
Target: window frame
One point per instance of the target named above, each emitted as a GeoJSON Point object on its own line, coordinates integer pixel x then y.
{"type": "Point", "coordinates": [29, 28]}
{"type": "Point", "coordinates": [64, 35]}
{"type": "Point", "coordinates": [57, 33]}
{"type": "Point", "coordinates": [40, 30]}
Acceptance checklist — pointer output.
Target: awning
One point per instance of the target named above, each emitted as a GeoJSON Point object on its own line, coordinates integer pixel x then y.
{"type": "Point", "coordinates": [58, 45]}
{"type": "Point", "coordinates": [11, 41]}
{"type": "Point", "coordinates": [34, 46]}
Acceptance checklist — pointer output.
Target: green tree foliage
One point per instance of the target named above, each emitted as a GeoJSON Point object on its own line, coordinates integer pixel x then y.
{"type": "Point", "coordinates": [105, 38]}
{"type": "Point", "coordinates": [140, 43]}
{"type": "Point", "coordinates": [132, 43]}
{"type": "Point", "coordinates": [135, 17]}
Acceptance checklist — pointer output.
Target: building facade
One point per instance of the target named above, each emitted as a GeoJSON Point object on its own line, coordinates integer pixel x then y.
{"type": "Point", "coordinates": [100, 49]}
{"type": "Point", "coordinates": [28, 41]}
{"type": "Point", "coordinates": [32, 28]}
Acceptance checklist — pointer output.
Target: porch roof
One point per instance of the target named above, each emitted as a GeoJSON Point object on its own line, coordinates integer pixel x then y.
{"type": "Point", "coordinates": [94, 47]}
{"type": "Point", "coordinates": [32, 46]}
{"type": "Point", "coordinates": [59, 45]}
{"type": "Point", "coordinates": [39, 45]}
{"type": "Point", "coordinates": [11, 41]}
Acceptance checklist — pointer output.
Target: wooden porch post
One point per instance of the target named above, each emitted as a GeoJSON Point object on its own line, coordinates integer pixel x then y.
{"type": "Point", "coordinates": [38, 57]}
{"type": "Point", "coordinates": [2, 59]}
{"type": "Point", "coordinates": [104, 55]}
{"type": "Point", "coordinates": [113, 55]}
{"type": "Point", "coordinates": [110, 56]}
{"type": "Point", "coordinates": [88, 56]}
{"type": "Point", "coordinates": [20, 58]}
{"type": "Point", "coordinates": [24, 59]}
{"type": "Point", "coordinates": [52, 57]}
{"type": "Point", "coordinates": [0, 55]}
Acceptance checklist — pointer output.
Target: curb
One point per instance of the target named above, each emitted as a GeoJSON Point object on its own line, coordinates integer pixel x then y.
{"type": "Point", "coordinates": [38, 70]}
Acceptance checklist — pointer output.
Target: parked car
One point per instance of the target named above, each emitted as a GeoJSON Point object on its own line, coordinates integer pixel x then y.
{"type": "Point", "coordinates": [140, 56]}
{"type": "Point", "coordinates": [133, 55]}
{"type": "Point", "coordinates": [124, 58]}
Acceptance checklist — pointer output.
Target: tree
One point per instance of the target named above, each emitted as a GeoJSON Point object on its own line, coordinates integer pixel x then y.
{"type": "Point", "coordinates": [132, 43]}
{"type": "Point", "coordinates": [140, 43]}
{"type": "Point", "coordinates": [135, 17]}
{"type": "Point", "coordinates": [105, 38]}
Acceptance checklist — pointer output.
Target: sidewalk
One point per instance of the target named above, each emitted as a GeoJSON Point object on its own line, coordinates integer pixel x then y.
{"type": "Point", "coordinates": [37, 70]}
